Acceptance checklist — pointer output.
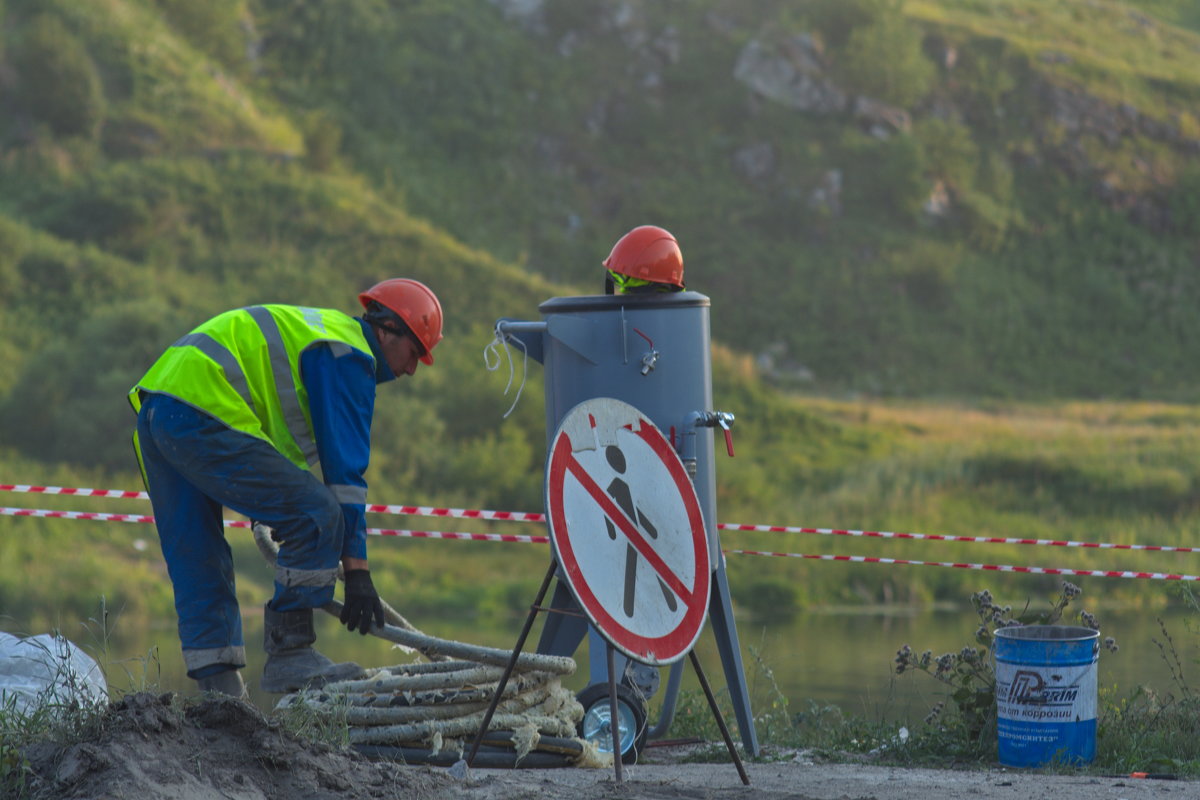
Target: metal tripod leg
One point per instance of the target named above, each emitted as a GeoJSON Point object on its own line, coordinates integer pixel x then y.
{"type": "Point", "coordinates": [712, 703]}
{"type": "Point", "coordinates": [720, 615]}
{"type": "Point", "coordinates": [613, 719]}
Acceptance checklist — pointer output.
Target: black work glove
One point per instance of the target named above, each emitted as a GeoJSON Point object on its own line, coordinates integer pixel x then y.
{"type": "Point", "coordinates": [362, 602]}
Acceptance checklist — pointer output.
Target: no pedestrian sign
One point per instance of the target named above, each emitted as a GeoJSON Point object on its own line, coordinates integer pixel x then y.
{"type": "Point", "coordinates": [628, 531]}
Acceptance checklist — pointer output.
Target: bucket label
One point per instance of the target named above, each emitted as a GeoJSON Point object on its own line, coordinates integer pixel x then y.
{"type": "Point", "coordinates": [1045, 694]}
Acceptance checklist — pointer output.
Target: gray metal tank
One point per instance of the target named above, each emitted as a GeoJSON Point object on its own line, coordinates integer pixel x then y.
{"type": "Point", "coordinates": [651, 351]}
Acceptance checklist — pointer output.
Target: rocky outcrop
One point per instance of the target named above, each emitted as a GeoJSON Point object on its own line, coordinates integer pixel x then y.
{"type": "Point", "coordinates": [1072, 116]}
{"type": "Point", "coordinates": [1079, 113]}
{"type": "Point", "coordinates": [791, 74]}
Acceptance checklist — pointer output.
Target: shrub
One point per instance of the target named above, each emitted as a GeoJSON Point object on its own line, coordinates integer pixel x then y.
{"type": "Point", "coordinates": [836, 20]}
{"type": "Point", "coordinates": [1183, 200]}
{"type": "Point", "coordinates": [58, 83]}
{"type": "Point", "coordinates": [322, 141]}
{"type": "Point", "coordinates": [888, 177]}
{"type": "Point", "coordinates": [885, 61]}
{"type": "Point", "coordinates": [950, 152]}
{"type": "Point", "coordinates": [215, 26]}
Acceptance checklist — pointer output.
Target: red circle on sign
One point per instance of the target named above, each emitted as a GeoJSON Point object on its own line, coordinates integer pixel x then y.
{"type": "Point", "coordinates": [656, 649]}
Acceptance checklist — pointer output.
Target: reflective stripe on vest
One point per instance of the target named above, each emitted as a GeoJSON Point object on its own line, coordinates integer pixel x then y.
{"type": "Point", "coordinates": [242, 367]}
{"type": "Point", "coordinates": [285, 385]}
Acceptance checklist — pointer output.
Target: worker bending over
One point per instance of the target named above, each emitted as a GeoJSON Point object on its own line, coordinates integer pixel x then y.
{"type": "Point", "coordinates": [235, 415]}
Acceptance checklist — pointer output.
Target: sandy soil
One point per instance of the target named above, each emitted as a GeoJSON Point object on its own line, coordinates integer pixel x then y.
{"type": "Point", "coordinates": [149, 747]}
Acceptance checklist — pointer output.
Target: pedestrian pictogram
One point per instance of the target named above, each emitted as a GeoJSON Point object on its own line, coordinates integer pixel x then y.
{"type": "Point", "coordinates": [628, 531]}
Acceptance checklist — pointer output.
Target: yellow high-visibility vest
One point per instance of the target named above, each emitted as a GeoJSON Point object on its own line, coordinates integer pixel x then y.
{"type": "Point", "coordinates": [243, 367]}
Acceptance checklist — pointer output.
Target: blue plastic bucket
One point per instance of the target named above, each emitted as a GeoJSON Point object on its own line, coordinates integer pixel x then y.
{"type": "Point", "coordinates": [1046, 694]}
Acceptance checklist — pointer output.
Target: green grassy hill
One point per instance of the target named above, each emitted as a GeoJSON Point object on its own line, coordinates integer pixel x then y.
{"type": "Point", "coordinates": [916, 199]}
{"type": "Point", "coordinates": [935, 199]}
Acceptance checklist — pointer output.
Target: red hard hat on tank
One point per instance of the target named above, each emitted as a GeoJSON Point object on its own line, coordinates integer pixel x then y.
{"type": "Point", "coordinates": [414, 303]}
{"type": "Point", "coordinates": [650, 253]}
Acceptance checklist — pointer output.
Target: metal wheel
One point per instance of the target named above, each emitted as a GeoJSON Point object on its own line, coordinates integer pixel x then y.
{"type": "Point", "coordinates": [596, 725]}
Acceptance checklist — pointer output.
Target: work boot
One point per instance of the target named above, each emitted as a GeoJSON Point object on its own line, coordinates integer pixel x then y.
{"type": "Point", "coordinates": [227, 682]}
{"type": "Point", "coordinates": [292, 663]}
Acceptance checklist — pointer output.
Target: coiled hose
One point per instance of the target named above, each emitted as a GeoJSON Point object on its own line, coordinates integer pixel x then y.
{"type": "Point", "coordinates": [431, 712]}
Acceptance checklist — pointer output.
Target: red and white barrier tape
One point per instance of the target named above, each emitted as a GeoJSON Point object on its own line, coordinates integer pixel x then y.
{"type": "Point", "coordinates": [89, 515]}
{"type": "Point", "coordinates": [414, 511]}
{"type": "Point", "coordinates": [25, 488]}
{"type": "Point", "coordinates": [241, 523]}
{"type": "Point", "coordinates": [1160, 576]}
{"type": "Point", "coordinates": [475, 537]}
{"type": "Point", "coordinates": [498, 537]}
{"type": "Point", "coordinates": [937, 537]}
{"type": "Point", "coordinates": [529, 516]}
{"type": "Point", "coordinates": [459, 513]}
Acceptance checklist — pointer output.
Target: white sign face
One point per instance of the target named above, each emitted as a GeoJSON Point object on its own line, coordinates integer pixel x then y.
{"type": "Point", "coordinates": [628, 531]}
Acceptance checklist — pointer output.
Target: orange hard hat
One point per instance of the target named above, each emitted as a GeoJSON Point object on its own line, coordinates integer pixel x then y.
{"type": "Point", "coordinates": [650, 253]}
{"type": "Point", "coordinates": [414, 303]}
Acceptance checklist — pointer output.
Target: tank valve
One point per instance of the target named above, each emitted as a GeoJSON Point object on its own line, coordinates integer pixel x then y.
{"type": "Point", "coordinates": [724, 421]}
{"type": "Point", "coordinates": [650, 357]}
{"type": "Point", "coordinates": [717, 419]}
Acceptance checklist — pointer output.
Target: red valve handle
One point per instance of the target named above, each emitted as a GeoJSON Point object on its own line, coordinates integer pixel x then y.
{"type": "Point", "coordinates": [729, 441]}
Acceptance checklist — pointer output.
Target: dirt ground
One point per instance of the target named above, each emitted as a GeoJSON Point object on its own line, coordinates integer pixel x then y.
{"type": "Point", "coordinates": [223, 749]}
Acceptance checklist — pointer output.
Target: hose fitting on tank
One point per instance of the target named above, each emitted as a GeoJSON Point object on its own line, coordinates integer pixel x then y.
{"type": "Point", "coordinates": [703, 419]}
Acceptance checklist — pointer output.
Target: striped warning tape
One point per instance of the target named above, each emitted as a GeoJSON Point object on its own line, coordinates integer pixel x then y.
{"type": "Point", "coordinates": [96, 516]}
{"type": "Point", "coordinates": [28, 489]}
{"type": "Point", "coordinates": [88, 515]}
{"type": "Point", "coordinates": [498, 537]}
{"type": "Point", "coordinates": [528, 516]}
{"type": "Point", "coordinates": [1159, 576]}
{"type": "Point", "coordinates": [459, 513]}
{"type": "Point", "coordinates": [937, 537]}
{"type": "Point", "coordinates": [525, 516]}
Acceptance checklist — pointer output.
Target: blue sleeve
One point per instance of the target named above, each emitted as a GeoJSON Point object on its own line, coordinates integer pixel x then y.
{"type": "Point", "coordinates": [340, 382]}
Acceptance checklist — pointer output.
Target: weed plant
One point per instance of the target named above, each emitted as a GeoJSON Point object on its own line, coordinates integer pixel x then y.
{"type": "Point", "coordinates": [1149, 730]}
{"type": "Point", "coordinates": [970, 673]}
{"type": "Point", "coordinates": [325, 723]}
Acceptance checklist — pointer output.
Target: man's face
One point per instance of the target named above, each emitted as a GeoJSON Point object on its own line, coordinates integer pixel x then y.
{"type": "Point", "coordinates": [400, 351]}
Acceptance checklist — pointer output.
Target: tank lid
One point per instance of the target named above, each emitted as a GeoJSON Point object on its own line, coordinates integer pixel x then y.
{"type": "Point", "coordinates": [613, 302]}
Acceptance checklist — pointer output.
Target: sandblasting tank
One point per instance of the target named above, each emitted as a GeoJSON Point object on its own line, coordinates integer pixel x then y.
{"type": "Point", "coordinates": [651, 351]}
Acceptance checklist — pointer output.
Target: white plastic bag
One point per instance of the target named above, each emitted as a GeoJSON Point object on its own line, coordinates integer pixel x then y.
{"type": "Point", "coordinates": [48, 671]}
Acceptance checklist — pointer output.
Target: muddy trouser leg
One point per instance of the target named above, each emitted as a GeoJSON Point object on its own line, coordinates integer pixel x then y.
{"type": "Point", "coordinates": [195, 465]}
{"type": "Point", "coordinates": [199, 560]}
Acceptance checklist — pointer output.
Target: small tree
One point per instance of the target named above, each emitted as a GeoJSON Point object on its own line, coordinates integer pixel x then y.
{"type": "Point", "coordinates": [951, 154]}
{"type": "Point", "coordinates": [57, 82]}
{"type": "Point", "coordinates": [221, 28]}
{"type": "Point", "coordinates": [322, 141]}
{"type": "Point", "coordinates": [885, 61]}
{"type": "Point", "coordinates": [836, 20]}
